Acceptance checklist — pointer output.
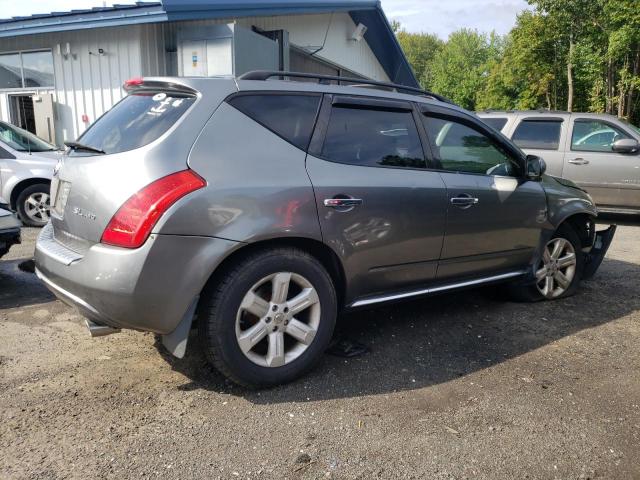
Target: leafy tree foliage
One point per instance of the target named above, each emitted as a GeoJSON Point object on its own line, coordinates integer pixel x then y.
{"type": "Point", "coordinates": [579, 55]}
{"type": "Point", "coordinates": [420, 49]}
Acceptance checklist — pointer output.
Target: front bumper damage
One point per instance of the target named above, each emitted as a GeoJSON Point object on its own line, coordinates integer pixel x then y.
{"type": "Point", "coordinates": [601, 244]}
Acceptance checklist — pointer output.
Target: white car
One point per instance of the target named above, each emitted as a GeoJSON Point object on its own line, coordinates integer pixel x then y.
{"type": "Point", "coordinates": [26, 168]}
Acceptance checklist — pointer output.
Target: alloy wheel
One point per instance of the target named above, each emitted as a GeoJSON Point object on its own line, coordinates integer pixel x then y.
{"type": "Point", "coordinates": [557, 269]}
{"type": "Point", "coordinates": [278, 319]}
{"type": "Point", "coordinates": [37, 207]}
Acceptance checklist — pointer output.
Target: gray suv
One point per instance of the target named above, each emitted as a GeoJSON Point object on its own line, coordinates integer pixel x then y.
{"type": "Point", "coordinates": [261, 208]}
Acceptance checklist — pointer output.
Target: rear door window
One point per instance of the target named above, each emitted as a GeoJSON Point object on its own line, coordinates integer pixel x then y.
{"type": "Point", "coordinates": [290, 116]}
{"type": "Point", "coordinates": [497, 123]}
{"type": "Point", "coordinates": [374, 138]}
{"type": "Point", "coordinates": [135, 121]}
{"type": "Point", "coordinates": [538, 134]}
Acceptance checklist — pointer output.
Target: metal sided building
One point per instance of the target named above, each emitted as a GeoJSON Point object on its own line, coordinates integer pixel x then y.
{"type": "Point", "coordinates": [60, 71]}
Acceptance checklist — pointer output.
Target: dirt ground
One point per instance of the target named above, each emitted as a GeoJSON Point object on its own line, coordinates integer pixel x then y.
{"type": "Point", "coordinates": [458, 386]}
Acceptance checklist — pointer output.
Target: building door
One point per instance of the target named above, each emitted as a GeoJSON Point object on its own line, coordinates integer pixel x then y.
{"type": "Point", "coordinates": [44, 117]}
{"type": "Point", "coordinates": [21, 112]}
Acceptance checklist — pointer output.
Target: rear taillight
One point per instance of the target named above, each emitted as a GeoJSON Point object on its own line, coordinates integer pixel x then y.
{"type": "Point", "coordinates": [132, 223]}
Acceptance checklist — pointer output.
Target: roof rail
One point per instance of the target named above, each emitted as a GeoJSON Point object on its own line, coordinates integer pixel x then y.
{"type": "Point", "coordinates": [358, 82]}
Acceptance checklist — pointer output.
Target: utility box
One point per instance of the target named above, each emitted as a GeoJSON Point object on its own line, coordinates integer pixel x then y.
{"type": "Point", "coordinates": [220, 50]}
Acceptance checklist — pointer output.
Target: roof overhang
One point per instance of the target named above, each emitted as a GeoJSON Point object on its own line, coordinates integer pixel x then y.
{"type": "Point", "coordinates": [379, 35]}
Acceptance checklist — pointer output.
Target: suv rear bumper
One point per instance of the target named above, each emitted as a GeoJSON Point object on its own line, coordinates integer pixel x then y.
{"type": "Point", "coordinates": [149, 288]}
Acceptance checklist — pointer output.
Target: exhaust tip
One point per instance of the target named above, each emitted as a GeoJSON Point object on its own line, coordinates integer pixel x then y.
{"type": "Point", "coordinates": [98, 330]}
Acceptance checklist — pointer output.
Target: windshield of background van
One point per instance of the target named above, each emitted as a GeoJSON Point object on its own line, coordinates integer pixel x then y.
{"type": "Point", "coordinates": [137, 120]}
{"type": "Point", "coordinates": [22, 140]}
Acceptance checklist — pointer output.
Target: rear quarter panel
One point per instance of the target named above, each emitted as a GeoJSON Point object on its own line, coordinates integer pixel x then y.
{"type": "Point", "coordinates": [257, 185]}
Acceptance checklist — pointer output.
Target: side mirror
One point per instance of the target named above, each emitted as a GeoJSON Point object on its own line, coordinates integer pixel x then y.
{"type": "Point", "coordinates": [536, 167]}
{"type": "Point", "coordinates": [626, 145]}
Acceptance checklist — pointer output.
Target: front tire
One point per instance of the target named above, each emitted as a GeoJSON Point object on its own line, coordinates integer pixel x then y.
{"type": "Point", "coordinates": [558, 272]}
{"type": "Point", "coordinates": [33, 205]}
{"type": "Point", "coordinates": [268, 319]}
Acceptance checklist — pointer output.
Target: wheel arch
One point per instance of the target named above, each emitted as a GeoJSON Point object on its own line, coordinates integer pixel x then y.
{"type": "Point", "coordinates": [321, 252]}
{"type": "Point", "coordinates": [21, 185]}
{"type": "Point", "coordinates": [583, 223]}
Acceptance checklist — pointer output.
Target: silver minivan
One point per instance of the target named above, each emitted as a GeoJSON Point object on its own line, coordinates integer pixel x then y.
{"type": "Point", "coordinates": [599, 152]}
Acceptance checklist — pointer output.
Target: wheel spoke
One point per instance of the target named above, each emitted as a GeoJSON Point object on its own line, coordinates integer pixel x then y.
{"type": "Point", "coordinates": [44, 214]}
{"type": "Point", "coordinates": [567, 261]}
{"type": "Point", "coordinates": [558, 246]}
{"type": "Point", "coordinates": [255, 305]}
{"type": "Point", "coordinates": [546, 255]}
{"type": "Point", "coordinates": [275, 353]}
{"type": "Point", "coordinates": [548, 287]}
{"type": "Point", "coordinates": [303, 300]}
{"type": "Point", "coordinates": [32, 201]}
{"type": "Point", "coordinates": [301, 331]}
{"type": "Point", "coordinates": [562, 280]}
{"type": "Point", "coordinates": [250, 337]}
{"type": "Point", "coordinates": [541, 274]}
{"type": "Point", "coordinates": [280, 287]}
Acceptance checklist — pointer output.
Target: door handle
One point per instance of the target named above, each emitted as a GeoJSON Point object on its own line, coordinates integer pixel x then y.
{"type": "Point", "coordinates": [464, 201]}
{"type": "Point", "coordinates": [342, 202]}
{"type": "Point", "coordinates": [579, 161]}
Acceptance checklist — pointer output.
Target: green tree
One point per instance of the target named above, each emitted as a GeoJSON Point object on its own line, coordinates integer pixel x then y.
{"type": "Point", "coordinates": [420, 49]}
{"type": "Point", "coordinates": [582, 55]}
{"type": "Point", "coordinates": [570, 20]}
{"type": "Point", "coordinates": [525, 75]}
{"type": "Point", "coordinates": [622, 25]}
{"type": "Point", "coordinates": [459, 70]}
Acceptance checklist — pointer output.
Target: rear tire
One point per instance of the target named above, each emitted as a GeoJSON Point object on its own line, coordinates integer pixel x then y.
{"type": "Point", "coordinates": [268, 319]}
{"type": "Point", "coordinates": [558, 272]}
{"type": "Point", "coordinates": [33, 204]}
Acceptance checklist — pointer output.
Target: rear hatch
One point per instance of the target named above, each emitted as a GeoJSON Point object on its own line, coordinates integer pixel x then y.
{"type": "Point", "coordinates": [144, 137]}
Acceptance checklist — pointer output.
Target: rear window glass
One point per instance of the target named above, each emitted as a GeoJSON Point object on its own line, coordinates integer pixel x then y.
{"type": "Point", "coordinates": [497, 123]}
{"type": "Point", "coordinates": [289, 116]}
{"type": "Point", "coordinates": [374, 138]}
{"type": "Point", "coordinates": [135, 121]}
{"type": "Point", "coordinates": [538, 134]}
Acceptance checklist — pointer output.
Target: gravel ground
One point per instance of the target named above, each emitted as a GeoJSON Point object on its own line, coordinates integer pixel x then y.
{"type": "Point", "coordinates": [459, 386]}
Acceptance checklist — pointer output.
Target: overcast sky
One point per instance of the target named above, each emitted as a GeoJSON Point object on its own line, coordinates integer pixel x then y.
{"type": "Point", "coordinates": [445, 16]}
{"type": "Point", "coordinates": [435, 16]}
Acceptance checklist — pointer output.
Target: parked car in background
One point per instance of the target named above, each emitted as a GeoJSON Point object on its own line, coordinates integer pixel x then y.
{"type": "Point", "coordinates": [9, 231]}
{"type": "Point", "coordinates": [598, 152]}
{"type": "Point", "coordinates": [263, 208]}
{"type": "Point", "coordinates": [26, 168]}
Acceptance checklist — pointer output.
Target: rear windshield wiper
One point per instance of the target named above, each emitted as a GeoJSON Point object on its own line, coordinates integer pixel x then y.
{"type": "Point", "coordinates": [82, 146]}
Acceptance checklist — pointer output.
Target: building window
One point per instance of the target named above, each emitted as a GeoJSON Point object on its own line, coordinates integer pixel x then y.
{"type": "Point", "coordinates": [10, 71]}
{"type": "Point", "coordinates": [26, 70]}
